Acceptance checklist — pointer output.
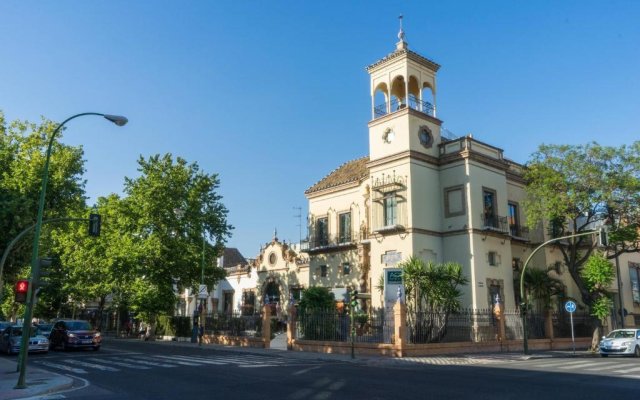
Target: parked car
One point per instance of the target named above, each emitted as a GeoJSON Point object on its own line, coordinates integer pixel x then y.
{"type": "Point", "coordinates": [621, 342]}
{"type": "Point", "coordinates": [74, 334]}
{"type": "Point", "coordinates": [44, 329]}
{"type": "Point", "coordinates": [11, 340]}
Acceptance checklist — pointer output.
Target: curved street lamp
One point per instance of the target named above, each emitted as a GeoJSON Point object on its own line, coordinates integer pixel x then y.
{"type": "Point", "coordinates": [35, 266]}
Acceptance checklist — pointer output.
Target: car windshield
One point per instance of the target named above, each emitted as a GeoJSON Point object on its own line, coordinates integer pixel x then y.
{"type": "Point", "coordinates": [620, 334]}
{"type": "Point", "coordinates": [17, 331]}
{"type": "Point", "coordinates": [79, 326]}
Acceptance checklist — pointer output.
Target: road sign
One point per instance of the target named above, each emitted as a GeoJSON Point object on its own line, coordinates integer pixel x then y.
{"type": "Point", "coordinates": [570, 306]}
{"type": "Point", "coordinates": [202, 293]}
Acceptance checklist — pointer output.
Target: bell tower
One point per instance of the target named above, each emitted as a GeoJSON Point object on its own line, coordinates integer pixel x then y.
{"type": "Point", "coordinates": [403, 104]}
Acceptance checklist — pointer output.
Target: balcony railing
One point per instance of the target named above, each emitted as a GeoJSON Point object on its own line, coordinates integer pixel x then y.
{"type": "Point", "coordinates": [519, 232]}
{"type": "Point", "coordinates": [495, 223]}
{"type": "Point", "coordinates": [395, 105]}
{"type": "Point", "coordinates": [333, 241]}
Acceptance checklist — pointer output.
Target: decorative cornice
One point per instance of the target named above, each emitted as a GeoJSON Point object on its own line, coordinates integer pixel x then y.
{"type": "Point", "coordinates": [399, 54]}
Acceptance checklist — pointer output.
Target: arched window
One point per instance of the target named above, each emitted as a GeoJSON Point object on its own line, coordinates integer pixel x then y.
{"type": "Point", "coordinates": [428, 101]}
{"type": "Point", "coordinates": [398, 93]}
{"type": "Point", "coordinates": [380, 99]}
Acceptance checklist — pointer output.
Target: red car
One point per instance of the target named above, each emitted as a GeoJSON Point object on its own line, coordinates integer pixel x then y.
{"type": "Point", "coordinates": [74, 334]}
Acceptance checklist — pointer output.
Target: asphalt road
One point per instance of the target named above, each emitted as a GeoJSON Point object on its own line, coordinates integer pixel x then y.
{"type": "Point", "coordinates": [139, 370]}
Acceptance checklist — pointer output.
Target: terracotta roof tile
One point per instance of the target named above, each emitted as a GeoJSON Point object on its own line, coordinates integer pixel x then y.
{"type": "Point", "coordinates": [351, 171]}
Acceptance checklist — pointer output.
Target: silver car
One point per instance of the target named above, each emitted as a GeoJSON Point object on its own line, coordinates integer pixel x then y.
{"type": "Point", "coordinates": [621, 342]}
{"type": "Point", "coordinates": [11, 339]}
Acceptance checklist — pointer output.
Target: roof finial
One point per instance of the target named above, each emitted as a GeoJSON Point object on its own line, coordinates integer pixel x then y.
{"type": "Point", "coordinates": [401, 43]}
{"type": "Point", "coordinates": [275, 235]}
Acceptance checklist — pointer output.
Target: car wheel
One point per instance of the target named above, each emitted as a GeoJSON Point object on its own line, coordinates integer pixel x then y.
{"type": "Point", "coordinates": [604, 355]}
{"type": "Point", "coordinates": [636, 352]}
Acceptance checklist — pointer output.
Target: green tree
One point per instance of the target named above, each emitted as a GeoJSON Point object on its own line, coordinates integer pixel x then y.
{"type": "Point", "coordinates": [598, 274]}
{"type": "Point", "coordinates": [541, 287]}
{"type": "Point", "coordinates": [172, 204]}
{"type": "Point", "coordinates": [96, 268]}
{"type": "Point", "coordinates": [317, 314]}
{"type": "Point", "coordinates": [573, 188]}
{"type": "Point", "coordinates": [432, 292]}
{"type": "Point", "coordinates": [22, 157]}
{"type": "Point", "coordinates": [316, 298]}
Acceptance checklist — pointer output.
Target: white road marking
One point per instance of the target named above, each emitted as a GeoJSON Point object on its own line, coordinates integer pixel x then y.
{"type": "Point", "coordinates": [145, 362]}
{"type": "Point", "coordinates": [121, 364]}
{"type": "Point", "coordinates": [62, 367]}
{"type": "Point", "coordinates": [576, 365]}
{"type": "Point", "coordinates": [90, 365]}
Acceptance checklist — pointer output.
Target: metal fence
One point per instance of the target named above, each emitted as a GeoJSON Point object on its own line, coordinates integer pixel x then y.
{"type": "Point", "coordinates": [583, 324]}
{"type": "Point", "coordinates": [476, 325]}
{"type": "Point", "coordinates": [333, 325]}
{"type": "Point", "coordinates": [514, 329]}
{"type": "Point", "coordinates": [233, 324]}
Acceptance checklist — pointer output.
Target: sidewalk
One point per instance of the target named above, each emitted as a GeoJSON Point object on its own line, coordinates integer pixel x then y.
{"type": "Point", "coordinates": [39, 382]}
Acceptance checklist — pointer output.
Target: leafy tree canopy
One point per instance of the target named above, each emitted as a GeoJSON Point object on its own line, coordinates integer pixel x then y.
{"type": "Point", "coordinates": [575, 188]}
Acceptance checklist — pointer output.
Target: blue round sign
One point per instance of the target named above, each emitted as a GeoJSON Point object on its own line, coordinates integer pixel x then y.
{"type": "Point", "coordinates": [570, 306]}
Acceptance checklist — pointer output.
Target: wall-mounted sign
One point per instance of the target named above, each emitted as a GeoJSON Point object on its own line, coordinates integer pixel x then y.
{"type": "Point", "coordinates": [394, 277]}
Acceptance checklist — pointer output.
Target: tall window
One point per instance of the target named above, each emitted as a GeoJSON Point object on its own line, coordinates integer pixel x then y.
{"type": "Point", "coordinates": [634, 274]}
{"type": "Point", "coordinates": [322, 232]}
{"type": "Point", "coordinates": [489, 208]}
{"type": "Point", "coordinates": [345, 227]}
{"type": "Point", "coordinates": [390, 208]}
{"type": "Point", "coordinates": [248, 302]}
{"type": "Point", "coordinates": [514, 224]}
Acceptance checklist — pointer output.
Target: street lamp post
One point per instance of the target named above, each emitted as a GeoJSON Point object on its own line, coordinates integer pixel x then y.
{"type": "Point", "coordinates": [26, 325]}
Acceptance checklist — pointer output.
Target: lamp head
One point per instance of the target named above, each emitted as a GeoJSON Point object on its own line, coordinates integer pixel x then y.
{"type": "Point", "coordinates": [117, 119]}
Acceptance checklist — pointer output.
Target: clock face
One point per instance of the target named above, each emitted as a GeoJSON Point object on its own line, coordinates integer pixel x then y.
{"type": "Point", "coordinates": [425, 136]}
{"type": "Point", "coordinates": [388, 135]}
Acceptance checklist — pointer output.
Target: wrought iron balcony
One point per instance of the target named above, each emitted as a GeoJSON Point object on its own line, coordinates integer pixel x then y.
{"type": "Point", "coordinates": [333, 241]}
{"type": "Point", "coordinates": [519, 232]}
{"type": "Point", "coordinates": [415, 103]}
{"type": "Point", "coordinates": [495, 223]}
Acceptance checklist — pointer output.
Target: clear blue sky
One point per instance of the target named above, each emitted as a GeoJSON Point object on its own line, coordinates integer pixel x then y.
{"type": "Point", "coordinates": [273, 95]}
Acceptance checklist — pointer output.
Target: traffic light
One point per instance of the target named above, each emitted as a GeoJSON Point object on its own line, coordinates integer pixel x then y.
{"type": "Point", "coordinates": [43, 272]}
{"type": "Point", "coordinates": [21, 289]}
{"type": "Point", "coordinates": [603, 239]}
{"type": "Point", "coordinates": [354, 299]}
{"type": "Point", "coordinates": [94, 224]}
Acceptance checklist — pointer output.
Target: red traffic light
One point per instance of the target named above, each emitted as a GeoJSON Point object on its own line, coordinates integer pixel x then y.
{"type": "Point", "coordinates": [22, 286]}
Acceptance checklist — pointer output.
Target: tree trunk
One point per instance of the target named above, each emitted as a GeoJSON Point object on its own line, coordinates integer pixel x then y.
{"type": "Point", "coordinates": [595, 339]}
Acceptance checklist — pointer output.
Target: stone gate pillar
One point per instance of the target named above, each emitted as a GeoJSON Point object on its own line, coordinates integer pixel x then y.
{"type": "Point", "coordinates": [266, 325]}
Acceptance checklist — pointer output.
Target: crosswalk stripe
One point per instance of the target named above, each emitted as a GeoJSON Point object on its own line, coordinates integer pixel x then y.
{"type": "Point", "coordinates": [237, 360]}
{"type": "Point", "coordinates": [256, 365]}
{"type": "Point", "coordinates": [603, 367]}
{"type": "Point", "coordinates": [576, 365]}
{"type": "Point", "coordinates": [121, 364]}
{"type": "Point", "coordinates": [62, 367]}
{"type": "Point", "coordinates": [200, 360]}
{"type": "Point", "coordinates": [145, 362]}
{"type": "Point", "coordinates": [631, 376]}
{"type": "Point", "coordinates": [90, 365]}
{"type": "Point", "coordinates": [173, 360]}
{"type": "Point", "coordinates": [626, 371]}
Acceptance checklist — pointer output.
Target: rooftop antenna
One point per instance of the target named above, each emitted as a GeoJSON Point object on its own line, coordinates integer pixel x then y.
{"type": "Point", "coordinates": [299, 216]}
